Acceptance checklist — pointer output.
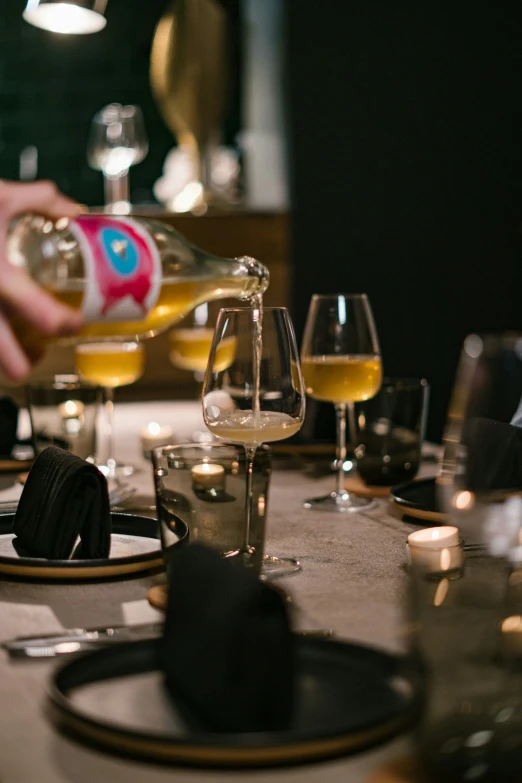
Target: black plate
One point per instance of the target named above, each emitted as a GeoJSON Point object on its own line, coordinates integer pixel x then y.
{"type": "Point", "coordinates": [135, 547]}
{"type": "Point", "coordinates": [418, 499]}
{"type": "Point", "coordinates": [349, 698]}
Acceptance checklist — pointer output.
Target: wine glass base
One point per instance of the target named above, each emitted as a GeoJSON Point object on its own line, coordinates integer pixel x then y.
{"type": "Point", "coordinates": [340, 503]}
{"type": "Point", "coordinates": [278, 567]}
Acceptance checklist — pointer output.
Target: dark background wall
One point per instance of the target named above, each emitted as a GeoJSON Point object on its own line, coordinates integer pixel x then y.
{"type": "Point", "coordinates": [52, 85]}
{"type": "Point", "coordinates": [406, 136]}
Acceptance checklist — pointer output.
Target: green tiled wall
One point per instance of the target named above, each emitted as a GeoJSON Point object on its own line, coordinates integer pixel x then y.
{"type": "Point", "coordinates": [51, 86]}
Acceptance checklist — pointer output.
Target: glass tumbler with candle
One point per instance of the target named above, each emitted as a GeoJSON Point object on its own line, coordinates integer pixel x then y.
{"type": "Point", "coordinates": [467, 631]}
{"type": "Point", "coordinates": [204, 486]}
{"type": "Point", "coordinates": [111, 365]}
{"type": "Point", "coordinates": [63, 412]}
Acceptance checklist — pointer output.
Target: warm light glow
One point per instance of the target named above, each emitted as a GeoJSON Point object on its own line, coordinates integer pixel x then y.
{"type": "Point", "coordinates": [154, 428]}
{"type": "Point", "coordinates": [71, 409]}
{"type": "Point", "coordinates": [189, 197]}
{"type": "Point", "coordinates": [445, 560]}
{"type": "Point", "coordinates": [261, 506]}
{"type": "Point", "coordinates": [65, 18]}
{"type": "Point", "coordinates": [441, 592]}
{"type": "Point", "coordinates": [464, 500]}
{"type": "Point", "coordinates": [512, 624]}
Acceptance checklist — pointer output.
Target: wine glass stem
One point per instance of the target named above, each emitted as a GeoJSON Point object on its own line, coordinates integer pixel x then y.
{"type": "Point", "coordinates": [109, 424]}
{"type": "Point", "coordinates": [116, 189]}
{"type": "Point", "coordinates": [340, 411]}
{"type": "Point", "coordinates": [250, 456]}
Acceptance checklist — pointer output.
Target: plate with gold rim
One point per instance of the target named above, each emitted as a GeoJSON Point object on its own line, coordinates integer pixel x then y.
{"type": "Point", "coordinates": [348, 698]}
{"type": "Point", "coordinates": [135, 549]}
{"type": "Point", "coordinates": [418, 499]}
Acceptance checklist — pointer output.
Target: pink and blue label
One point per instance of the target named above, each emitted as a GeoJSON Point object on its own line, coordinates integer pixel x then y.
{"type": "Point", "coordinates": [122, 268]}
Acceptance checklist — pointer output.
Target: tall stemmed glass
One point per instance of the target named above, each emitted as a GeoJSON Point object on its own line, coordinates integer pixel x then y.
{"type": "Point", "coordinates": [341, 363]}
{"type": "Point", "coordinates": [110, 365]}
{"type": "Point", "coordinates": [229, 399]}
{"type": "Point", "coordinates": [117, 142]}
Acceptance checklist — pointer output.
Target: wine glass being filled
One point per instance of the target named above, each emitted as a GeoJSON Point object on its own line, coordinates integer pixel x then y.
{"type": "Point", "coordinates": [257, 398]}
{"type": "Point", "coordinates": [110, 365]}
{"type": "Point", "coordinates": [341, 363]}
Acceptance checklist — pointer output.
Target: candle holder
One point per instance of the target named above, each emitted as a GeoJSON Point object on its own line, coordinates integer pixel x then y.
{"type": "Point", "coordinates": [437, 551]}
{"type": "Point", "coordinates": [204, 485]}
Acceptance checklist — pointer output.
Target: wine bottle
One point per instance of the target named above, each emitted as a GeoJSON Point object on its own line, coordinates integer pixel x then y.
{"type": "Point", "coordinates": [131, 277]}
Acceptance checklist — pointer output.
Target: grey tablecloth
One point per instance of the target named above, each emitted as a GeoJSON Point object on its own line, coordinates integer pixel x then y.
{"type": "Point", "coordinates": [352, 581]}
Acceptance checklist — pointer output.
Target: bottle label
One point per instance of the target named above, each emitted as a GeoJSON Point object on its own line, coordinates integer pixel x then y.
{"type": "Point", "coordinates": [122, 268]}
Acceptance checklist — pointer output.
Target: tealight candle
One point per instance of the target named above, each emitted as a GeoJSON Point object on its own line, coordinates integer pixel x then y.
{"type": "Point", "coordinates": [71, 409]}
{"type": "Point", "coordinates": [154, 435]}
{"type": "Point", "coordinates": [436, 549]}
{"type": "Point", "coordinates": [208, 476]}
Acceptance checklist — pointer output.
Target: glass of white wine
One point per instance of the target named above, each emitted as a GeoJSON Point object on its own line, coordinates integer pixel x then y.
{"type": "Point", "coordinates": [341, 363]}
{"type": "Point", "coordinates": [111, 365]}
{"type": "Point", "coordinates": [258, 397]}
{"type": "Point", "coordinates": [190, 345]}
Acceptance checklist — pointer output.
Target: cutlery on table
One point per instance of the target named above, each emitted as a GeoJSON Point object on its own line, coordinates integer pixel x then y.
{"type": "Point", "coordinates": [79, 640]}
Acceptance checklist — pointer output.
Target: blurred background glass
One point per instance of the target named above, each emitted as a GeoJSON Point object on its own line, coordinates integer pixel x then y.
{"type": "Point", "coordinates": [390, 430]}
{"type": "Point", "coordinates": [63, 412]}
{"type": "Point", "coordinates": [117, 142]}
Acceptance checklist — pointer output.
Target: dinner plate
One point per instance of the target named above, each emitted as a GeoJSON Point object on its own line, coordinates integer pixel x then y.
{"type": "Point", "coordinates": [347, 698]}
{"type": "Point", "coordinates": [135, 547]}
{"type": "Point", "coordinates": [418, 499]}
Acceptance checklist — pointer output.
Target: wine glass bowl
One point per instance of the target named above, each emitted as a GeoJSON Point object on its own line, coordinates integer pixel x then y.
{"type": "Point", "coordinates": [230, 371]}
{"type": "Point", "coordinates": [341, 363]}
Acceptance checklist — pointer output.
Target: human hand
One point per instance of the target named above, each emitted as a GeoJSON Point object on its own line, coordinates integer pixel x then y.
{"type": "Point", "coordinates": [20, 296]}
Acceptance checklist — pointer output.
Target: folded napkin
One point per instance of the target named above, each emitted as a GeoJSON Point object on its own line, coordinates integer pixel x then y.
{"type": "Point", "coordinates": [227, 652]}
{"type": "Point", "coordinates": [8, 424]}
{"type": "Point", "coordinates": [64, 497]}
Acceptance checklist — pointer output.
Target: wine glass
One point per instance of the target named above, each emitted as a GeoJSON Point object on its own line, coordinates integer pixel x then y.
{"type": "Point", "coordinates": [341, 363]}
{"type": "Point", "coordinates": [117, 141]}
{"type": "Point", "coordinates": [111, 365]}
{"type": "Point", "coordinates": [229, 395]}
{"type": "Point", "coordinates": [481, 477]}
{"type": "Point", "coordinates": [190, 344]}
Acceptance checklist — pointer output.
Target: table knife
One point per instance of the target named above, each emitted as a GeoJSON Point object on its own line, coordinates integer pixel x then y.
{"type": "Point", "coordinates": [79, 639]}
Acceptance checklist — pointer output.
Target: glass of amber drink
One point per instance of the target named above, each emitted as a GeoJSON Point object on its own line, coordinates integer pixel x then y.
{"type": "Point", "coordinates": [110, 365]}
{"type": "Point", "coordinates": [341, 363]}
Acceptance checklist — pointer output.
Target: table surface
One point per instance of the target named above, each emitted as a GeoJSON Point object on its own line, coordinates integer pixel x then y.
{"type": "Point", "coordinates": [352, 581]}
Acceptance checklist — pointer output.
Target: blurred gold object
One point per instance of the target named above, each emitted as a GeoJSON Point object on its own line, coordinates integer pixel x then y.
{"type": "Point", "coordinates": [188, 72]}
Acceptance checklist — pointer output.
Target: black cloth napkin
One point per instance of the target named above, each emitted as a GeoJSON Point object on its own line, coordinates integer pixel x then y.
{"type": "Point", "coordinates": [8, 425]}
{"type": "Point", "coordinates": [227, 652]}
{"type": "Point", "coordinates": [494, 455]}
{"type": "Point", "coordinates": [64, 497]}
